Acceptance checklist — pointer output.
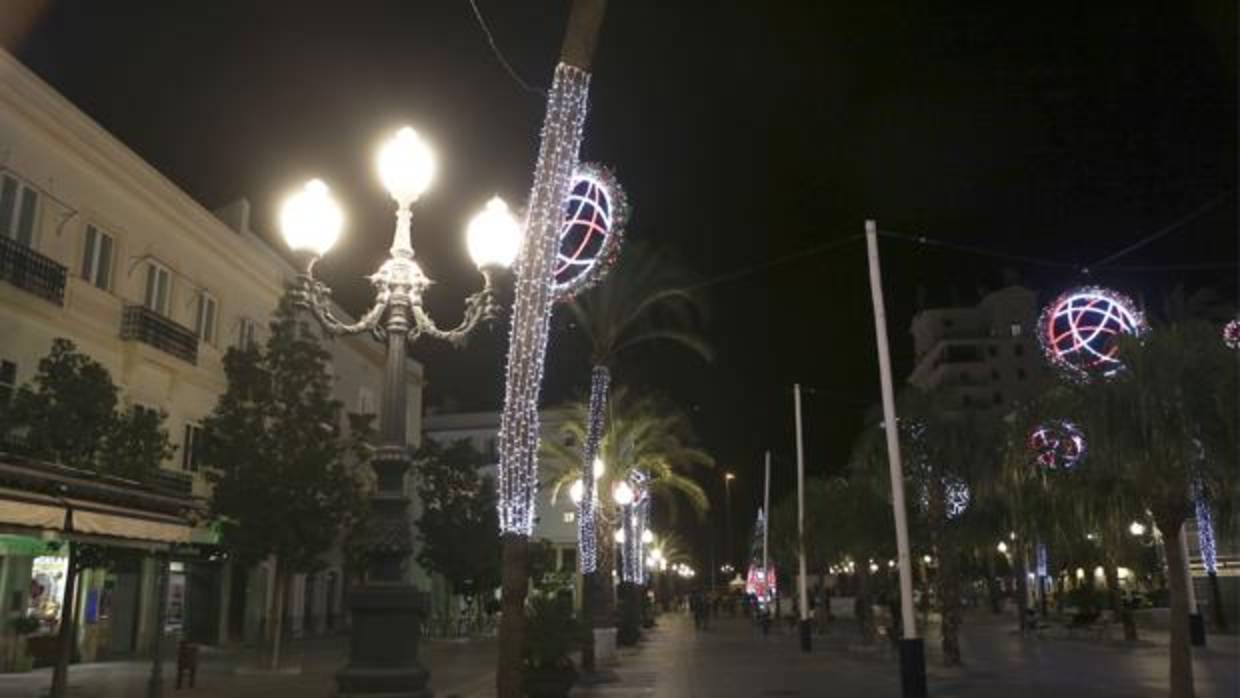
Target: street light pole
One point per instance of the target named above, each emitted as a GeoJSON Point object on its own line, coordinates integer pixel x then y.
{"type": "Point", "coordinates": [727, 510]}
{"type": "Point", "coordinates": [387, 608]}
{"type": "Point", "coordinates": [912, 650]}
{"type": "Point", "coordinates": [802, 592]}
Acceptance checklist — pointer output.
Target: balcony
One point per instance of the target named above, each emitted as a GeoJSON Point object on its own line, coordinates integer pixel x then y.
{"type": "Point", "coordinates": [31, 271]}
{"type": "Point", "coordinates": [149, 327]}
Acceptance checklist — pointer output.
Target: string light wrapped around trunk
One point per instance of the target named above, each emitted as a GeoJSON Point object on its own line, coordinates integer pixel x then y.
{"type": "Point", "coordinates": [587, 533]}
{"type": "Point", "coordinates": [1205, 528]}
{"type": "Point", "coordinates": [531, 313]}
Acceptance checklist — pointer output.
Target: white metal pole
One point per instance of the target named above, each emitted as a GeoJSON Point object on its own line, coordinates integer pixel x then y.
{"type": "Point", "coordinates": [766, 508]}
{"type": "Point", "coordinates": [803, 592]}
{"type": "Point", "coordinates": [893, 435]}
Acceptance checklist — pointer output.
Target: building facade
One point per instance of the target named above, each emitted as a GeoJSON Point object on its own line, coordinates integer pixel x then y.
{"type": "Point", "coordinates": [98, 247]}
{"type": "Point", "coordinates": [985, 356]}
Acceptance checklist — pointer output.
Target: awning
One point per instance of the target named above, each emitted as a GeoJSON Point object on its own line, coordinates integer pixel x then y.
{"type": "Point", "coordinates": [90, 518]}
{"type": "Point", "coordinates": [31, 510]}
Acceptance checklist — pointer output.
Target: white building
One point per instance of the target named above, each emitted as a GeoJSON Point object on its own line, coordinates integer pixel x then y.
{"type": "Point", "coordinates": [555, 520]}
{"type": "Point", "coordinates": [985, 355]}
{"type": "Point", "coordinates": [98, 247]}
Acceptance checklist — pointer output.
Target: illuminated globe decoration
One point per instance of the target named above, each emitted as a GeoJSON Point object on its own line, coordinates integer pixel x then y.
{"type": "Point", "coordinates": [956, 493]}
{"type": "Point", "coordinates": [1231, 335]}
{"type": "Point", "coordinates": [1057, 445]}
{"type": "Point", "coordinates": [594, 217]}
{"type": "Point", "coordinates": [1080, 331]}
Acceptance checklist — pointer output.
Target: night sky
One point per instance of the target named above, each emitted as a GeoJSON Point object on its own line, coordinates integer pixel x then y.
{"type": "Point", "coordinates": [743, 133]}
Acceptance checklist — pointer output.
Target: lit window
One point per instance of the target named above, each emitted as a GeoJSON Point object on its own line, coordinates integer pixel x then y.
{"type": "Point", "coordinates": [97, 258]}
{"type": "Point", "coordinates": [158, 285]}
{"type": "Point", "coordinates": [1016, 329]}
{"type": "Point", "coordinates": [1019, 349]}
{"type": "Point", "coordinates": [18, 205]}
{"type": "Point", "coordinates": [206, 317]}
{"type": "Point", "coordinates": [570, 516]}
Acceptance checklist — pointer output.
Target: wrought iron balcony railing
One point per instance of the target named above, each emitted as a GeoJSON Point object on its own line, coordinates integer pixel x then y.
{"type": "Point", "coordinates": [149, 327]}
{"type": "Point", "coordinates": [31, 271]}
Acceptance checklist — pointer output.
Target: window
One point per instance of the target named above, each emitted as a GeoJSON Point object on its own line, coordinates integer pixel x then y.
{"type": "Point", "coordinates": [1015, 328]}
{"type": "Point", "coordinates": [998, 399]}
{"type": "Point", "coordinates": [570, 516]}
{"type": "Point", "coordinates": [568, 559]}
{"type": "Point", "coordinates": [97, 258]}
{"type": "Point", "coordinates": [1018, 349]}
{"type": "Point", "coordinates": [246, 333]}
{"type": "Point", "coordinates": [158, 285]}
{"type": "Point", "coordinates": [1020, 374]}
{"type": "Point", "coordinates": [190, 446]}
{"type": "Point", "coordinates": [966, 401]}
{"type": "Point", "coordinates": [18, 204]}
{"type": "Point", "coordinates": [994, 375]}
{"type": "Point", "coordinates": [992, 350]}
{"type": "Point", "coordinates": [206, 317]}
{"type": "Point", "coordinates": [8, 380]}
{"type": "Point", "coordinates": [365, 400]}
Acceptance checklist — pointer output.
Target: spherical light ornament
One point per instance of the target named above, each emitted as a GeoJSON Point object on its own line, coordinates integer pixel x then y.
{"type": "Point", "coordinates": [594, 218]}
{"type": "Point", "coordinates": [493, 236]}
{"type": "Point", "coordinates": [1057, 445]}
{"type": "Point", "coordinates": [576, 492]}
{"type": "Point", "coordinates": [1231, 335]}
{"type": "Point", "coordinates": [647, 536]}
{"type": "Point", "coordinates": [1136, 528]}
{"type": "Point", "coordinates": [956, 492]}
{"type": "Point", "coordinates": [1001, 547]}
{"type": "Point", "coordinates": [623, 493]}
{"type": "Point", "coordinates": [619, 535]}
{"type": "Point", "coordinates": [310, 220]}
{"type": "Point", "coordinates": [1080, 331]}
{"type": "Point", "coordinates": [406, 166]}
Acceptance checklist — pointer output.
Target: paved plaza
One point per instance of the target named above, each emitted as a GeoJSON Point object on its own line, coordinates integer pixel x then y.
{"type": "Point", "coordinates": [733, 660]}
{"type": "Point", "coordinates": [464, 669]}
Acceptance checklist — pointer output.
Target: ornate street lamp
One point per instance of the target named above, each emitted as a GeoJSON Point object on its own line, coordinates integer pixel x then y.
{"type": "Point", "coordinates": [387, 608]}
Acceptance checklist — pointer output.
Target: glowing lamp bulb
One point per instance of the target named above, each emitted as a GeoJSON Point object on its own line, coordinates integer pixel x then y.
{"type": "Point", "coordinates": [599, 468]}
{"type": "Point", "coordinates": [576, 492]}
{"type": "Point", "coordinates": [623, 494]}
{"type": "Point", "coordinates": [647, 536]}
{"type": "Point", "coordinates": [406, 166]}
{"type": "Point", "coordinates": [1137, 528]}
{"type": "Point", "coordinates": [620, 536]}
{"type": "Point", "coordinates": [493, 236]}
{"type": "Point", "coordinates": [310, 220]}
{"type": "Point", "coordinates": [1002, 547]}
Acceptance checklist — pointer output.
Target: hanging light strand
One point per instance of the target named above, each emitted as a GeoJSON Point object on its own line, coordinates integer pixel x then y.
{"type": "Point", "coordinates": [531, 313]}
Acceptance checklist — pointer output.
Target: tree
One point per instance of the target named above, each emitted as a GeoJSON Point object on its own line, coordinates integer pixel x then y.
{"type": "Point", "coordinates": [459, 523]}
{"type": "Point", "coordinates": [68, 415]}
{"type": "Point", "coordinates": [643, 301]}
{"type": "Point", "coordinates": [1176, 399]}
{"type": "Point", "coordinates": [285, 470]}
{"type": "Point", "coordinates": [641, 435]}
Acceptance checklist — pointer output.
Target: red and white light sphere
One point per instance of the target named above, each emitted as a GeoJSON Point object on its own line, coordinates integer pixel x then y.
{"type": "Point", "coordinates": [1080, 331]}
{"type": "Point", "coordinates": [594, 217]}
{"type": "Point", "coordinates": [1231, 335]}
{"type": "Point", "coordinates": [1057, 445]}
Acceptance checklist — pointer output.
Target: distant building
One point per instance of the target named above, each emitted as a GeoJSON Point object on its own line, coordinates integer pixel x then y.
{"type": "Point", "coordinates": [984, 356]}
{"type": "Point", "coordinates": [98, 247]}
{"type": "Point", "coordinates": [555, 521]}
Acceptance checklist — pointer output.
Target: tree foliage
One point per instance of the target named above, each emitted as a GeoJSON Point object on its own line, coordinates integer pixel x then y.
{"type": "Point", "coordinates": [459, 525]}
{"type": "Point", "coordinates": [287, 480]}
{"type": "Point", "coordinates": [69, 414]}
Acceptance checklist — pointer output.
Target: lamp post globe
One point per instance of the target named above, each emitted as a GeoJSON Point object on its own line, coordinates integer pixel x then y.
{"type": "Point", "coordinates": [623, 493]}
{"type": "Point", "coordinates": [599, 468]}
{"type": "Point", "coordinates": [647, 536]}
{"type": "Point", "coordinates": [493, 236]}
{"type": "Point", "coordinates": [406, 166]}
{"type": "Point", "coordinates": [310, 220]}
{"type": "Point", "coordinates": [576, 491]}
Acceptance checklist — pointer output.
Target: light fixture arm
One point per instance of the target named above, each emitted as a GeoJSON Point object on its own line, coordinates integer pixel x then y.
{"type": "Point", "coordinates": [480, 306]}
{"type": "Point", "coordinates": [316, 296]}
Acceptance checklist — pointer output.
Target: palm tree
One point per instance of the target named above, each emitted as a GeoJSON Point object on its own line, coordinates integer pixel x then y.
{"type": "Point", "coordinates": [641, 435]}
{"type": "Point", "coordinates": [643, 300]}
{"type": "Point", "coordinates": [1177, 397]}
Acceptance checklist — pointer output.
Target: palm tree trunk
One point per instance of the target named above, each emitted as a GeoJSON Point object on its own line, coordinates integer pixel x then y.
{"type": "Point", "coordinates": [587, 524]}
{"type": "Point", "coordinates": [949, 605]}
{"type": "Point", "coordinates": [1181, 654]}
{"type": "Point", "coordinates": [512, 620]}
{"type": "Point", "coordinates": [992, 583]}
{"type": "Point", "coordinates": [1119, 612]}
{"type": "Point", "coordinates": [604, 587]}
{"type": "Point", "coordinates": [1022, 583]}
{"type": "Point", "coordinates": [282, 580]}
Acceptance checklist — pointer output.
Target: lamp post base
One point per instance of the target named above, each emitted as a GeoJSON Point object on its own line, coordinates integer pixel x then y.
{"type": "Point", "coordinates": [913, 668]}
{"type": "Point", "coordinates": [383, 651]}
